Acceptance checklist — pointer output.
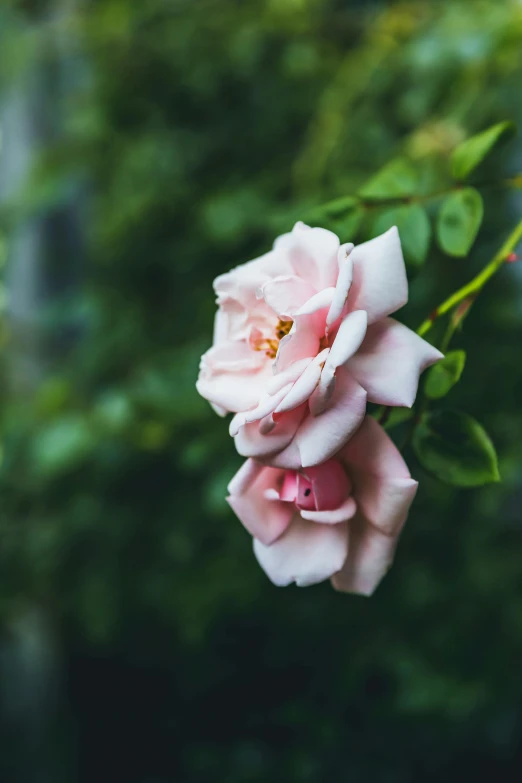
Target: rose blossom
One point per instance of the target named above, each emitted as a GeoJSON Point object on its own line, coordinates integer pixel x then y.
{"type": "Point", "coordinates": [302, 341]}
{"type": "Point", "coordinates": [340, 519]}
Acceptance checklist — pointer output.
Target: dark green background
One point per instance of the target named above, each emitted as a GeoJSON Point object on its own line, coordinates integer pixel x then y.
{"type": "Point", "coordinates": [140, 640]}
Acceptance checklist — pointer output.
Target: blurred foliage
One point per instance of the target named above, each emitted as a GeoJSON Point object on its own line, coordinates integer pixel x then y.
{"type": "Point", "coordinates": [197, 131]}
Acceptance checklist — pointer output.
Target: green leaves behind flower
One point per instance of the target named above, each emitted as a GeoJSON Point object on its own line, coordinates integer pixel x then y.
{"type": "Point", "coordinates": [468, 155]}
{"type": "Point", "coordinates": [459, 220]}
{"type": "Point", "coordinates": [398, 178]}
{"type": "Point", "coordinates": [62, 445]}
{"type": "Point", "coordinates": [414, 230]}
{"type": "Point", "coordinates": [343, 216]}
{"type": "Point", "coordinates": [456, 449]}
{"type": "Point", "coordinates": [445, 374]}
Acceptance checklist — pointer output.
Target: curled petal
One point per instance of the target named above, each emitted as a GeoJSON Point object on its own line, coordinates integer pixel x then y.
{"type": "Point", "coordinates": [342, 287]}
{"type": "Point", "coordinates": [306, 553]}
{"type": "Point", "coordinates": [348, 339]}
{"type": "Point", "coordinates": [304, 386]}
{"type": "Point", "coordinates": [320, 437]}
{"type": "Point", "coordinates": [319, 301]}
{"type": "Point", "coordinates": [264, 516]}
{"type": "Point", "coordinates": [390, 361]}
{"type": "Point", "coordinates": [288, 376]}
{"type": "Point", "coordinates": [302, 342]}
{"type": "Point", "coordinates": [333, 517]}
{"type": "Point", "coordinates": [251, 442]}
{"type": "Point", "coordinates": [267, 404]}
{"type": "Point", "coordinates": [379, 282]}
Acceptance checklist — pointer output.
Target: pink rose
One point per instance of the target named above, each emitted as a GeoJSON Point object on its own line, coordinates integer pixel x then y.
{"type": "Point", "coordinates": [302, 341]}
{"type": "Point", "coordinates": [338, 520]}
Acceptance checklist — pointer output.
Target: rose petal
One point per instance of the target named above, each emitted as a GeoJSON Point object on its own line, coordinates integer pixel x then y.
{"type": "Point", "coordinates": [305, 554]}
{"type": "Point", "coordinates": [369, 558]}
{"type": "Point", "coordinates": [304, 386]}
{"type": "Point", "coordinates": [330, 484]}
{"type": "Point", "coordinates": [379, 283]}
{"type": "Point", "coordinates": [382, 485]}
{"type": "Point", "coordinates": [390, 361]}
{"type": "Point", "coordinates": [267, 404]}
{"type": "Point", "coordinates": [301, 343]}
{"type": "Point", "coordinates": [285, 295]}
{"type": "Point", "coordinates": [245, 477]}
{"type": "Point", "coordinates": [320, 437]}
{"type": "Point", "coordinates": [312, 252]}
{"type": "Point", "coordinates": [251, 442]}
{"type": "Point", "coordinates": [334, 516]}
{"type": "Point", "coordinates": [266, 519]}
{"type": "Point", "coordinates": [344, 281]}
{"type": "Point", "coordinates": [384, 503]}
{"type": "Point", "coordinates": [348, 338]}
{"type": "Point", "coordinates": [288, 376]}
{"type": "Point", "coordinates": [372, 451]}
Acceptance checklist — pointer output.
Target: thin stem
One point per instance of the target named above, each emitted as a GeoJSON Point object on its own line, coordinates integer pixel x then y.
{"type": "Point", "coordinates": [474, 287]}
{"type": "Point", "coordinates": [340, 204]}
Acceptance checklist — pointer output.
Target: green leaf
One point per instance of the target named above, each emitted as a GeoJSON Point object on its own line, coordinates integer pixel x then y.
{"type": "Point", "coordinates": [445, 374]}
{"type": "Point", "coordinates": [456, 449]}
{"type": "Point", "coordinates": [398, 416]}
{"type": "Point", "coordinates": [398, 178]}
{"type": "Point", "coordinates": [62, 445]}
{"type": "Point", "coordinates": [459, 220]}
{"type": "Point", "coordinates": [468, 155]}
{"type": "Point", "coordinates": [414, 230]}
{"type": "Point", "coordinates": [342, 216]}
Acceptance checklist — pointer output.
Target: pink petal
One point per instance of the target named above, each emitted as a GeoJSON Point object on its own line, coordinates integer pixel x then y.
{"type": "Point", "coordinates": [334, 516]}
{"type": "Point", "coordinates": [251, 442]}
{"type": "Point", "coordinates": [301, 343]}
{"type": "Point", "coordinates": [319, 301]}
{"type": "Point", "coordinates": [372, 451]}
{"type": "Point", "coordinates": [344, 281]}
{"type": "Point", "coordinates": [390, 361]}
{"type": "Point", "coordinates": [285, 295]}
{"type": "Point", "coordinates": [245, 477]}
{"type": "Point", "coordinates": [369, 558]}
{"type": "Point", "coordinates": [320, 437]}
{"type": "Point", "coordinates": [348, 339]}
{"type": "Point", "coordinates": [304, 386]}
{"type": "Point", "coordinates": [320, 398]}
{"type": "Point", "coordinates": [379, 282]}
{"type": "Point", "coordinates": [229, 391]}
{"type": "Point", "coordinates": [289, 458]}
{"type": "Point", "coordinates": [288, 376]}
{"type": "Point", "coordinates": [305, 554]}
{"type": "Point", "coordinates": [267, 404]}
{"type": "Point", "coordinates": [330, 484]}
{"type": "Point", "coordinates": [382, 485]}
{"type": "Point", "coordinates": [289, 488]}
{"type": "Point", "coordinates": [266, 519]}
{"type": "Point", "coordinates": [384, 502]}
{"type": "Point", "coordinates": [312, 252]}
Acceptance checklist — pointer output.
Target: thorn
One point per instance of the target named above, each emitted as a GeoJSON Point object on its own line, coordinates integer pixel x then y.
{"type": "Point", "coordinates": [511, 258]}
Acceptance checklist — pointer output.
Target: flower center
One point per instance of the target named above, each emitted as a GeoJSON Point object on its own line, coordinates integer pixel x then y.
{"type": "Point", "coordinates": [270, 344]}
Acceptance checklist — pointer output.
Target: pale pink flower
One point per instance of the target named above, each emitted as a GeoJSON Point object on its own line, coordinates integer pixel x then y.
{"type": "Point", "coordinates": [302, 341]}
{"type": "Point", "coordinates": [340, 519]}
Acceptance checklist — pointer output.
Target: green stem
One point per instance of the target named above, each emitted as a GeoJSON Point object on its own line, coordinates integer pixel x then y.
{"type": "Point", "coordinates": [340, 205]}
{"type": "Point", "coordinates": [474, 287]}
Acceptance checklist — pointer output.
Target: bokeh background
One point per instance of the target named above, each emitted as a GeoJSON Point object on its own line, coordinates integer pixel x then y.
{"type": "Point", "coordinates": [146, 147]}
